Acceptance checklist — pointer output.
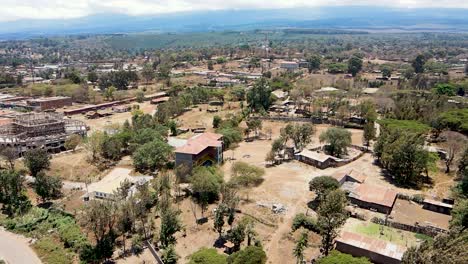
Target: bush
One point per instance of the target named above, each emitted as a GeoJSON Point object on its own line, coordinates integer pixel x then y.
{"type": "Point", "coordinates": [51, 252]}
{"type": "Point", "coordinates": [336, 257]}
{"type": "Point", "coordinates": [301, 220]}
{"type": "Point", "coordinates": [207, 256]}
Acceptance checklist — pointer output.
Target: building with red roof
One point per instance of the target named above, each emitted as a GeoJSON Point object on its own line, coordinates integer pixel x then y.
{"type": "Point", "coordinates": [378, 251]}
{"type": "Point", "coordinates": [369, 196]}
{"type": "Point", "coordinates": [205, 149]}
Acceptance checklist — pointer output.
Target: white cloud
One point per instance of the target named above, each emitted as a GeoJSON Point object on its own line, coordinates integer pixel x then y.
{"type": "Point", "coordinates": [60, 9]}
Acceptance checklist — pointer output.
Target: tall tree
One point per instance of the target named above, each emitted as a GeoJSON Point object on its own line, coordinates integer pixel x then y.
{"type": "Point", "coordinates": [331, 216]}
{"type": "Point", "coordinates": [369, 133]}
{"type": "Point", "coordinates": [313, 63]}
{"type": "Point", "coordinates": [12, 193]}
{"type": "Point", "coordinates": [322, 186]}
{"type": "Point", "coordinates": [248, 255]}
{"type": "Point", "coordinates": [418, 63]}
{"type": "Point", "coordinates": [151, 156]}
{"type": "Point", "coordinates": [301, 244]}
{"type": "Point", "coordinates": [206, 185]}
{"type": "Point", "coordinates": [259, 97]}
{"type": "Point", "coordinates": [36, 160]}
{"type": "Point", "coordinates": [148, 73]}
{"type": "Point", "coordinates": [354, 65]}
{"type": "Point", "coordinates": [170, 224]}
{"type": "Point", "coordinates": [47, 187]}
{"type": "Point", "coordinates": [169, 255]}
{"type": "Point", "coordinates": [337, 139]}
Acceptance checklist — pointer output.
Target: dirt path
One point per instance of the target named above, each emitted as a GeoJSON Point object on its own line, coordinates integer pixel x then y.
{"type": "Point", "coordinates": [15, 249]}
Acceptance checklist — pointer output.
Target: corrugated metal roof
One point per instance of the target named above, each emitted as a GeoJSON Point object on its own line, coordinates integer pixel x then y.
{"type": "Point", "coordinates": [373, 245]}
{"type": "Point", "coordinates": [200, 142]}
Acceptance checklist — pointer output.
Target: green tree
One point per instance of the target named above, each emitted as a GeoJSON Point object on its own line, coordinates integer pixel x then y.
{"type": "Point", "coordinates": [219, 218]}
{"type": "Point", "coordinates": [322, 186]}
{"type": "Point", "coordinates": [109, 93]}
{"type": "Point", "coordinates": [148, 73]}
{"type": "Point", "coordinates": [237, 235]}
{"type": "Point", "coordinates": [169, 255]}
{"type": "Point", "coordinates": [246, 175]}
{"type": "Point", "coordinates": [331, 216]}
{"type": "Point", "coordinates": [254, 125]}
{"type": "Point", "coordinates": [210, 65]}
{"type": "Point", "coordinates": [460, 215]}
{"type": "Point", "coordinates": [418, 63]}
{"type": "Point", "coordinates": [445, 89]}
{"type": "Point", "coordinates": [369, 133]}
{"type": "Point", "coordinates": [170, 224]}
{"type": "Point", "coordinates": [207, 256]}
{"type": "Point", "coordinates": [249, 255]}
{"type": "Point", "coordinates": [152, 155]}
{"type": "Point", "coordinates": [47, 187]}
{"type": "Point", "coordinates": [36, 160]}
{"type": "Point", "coordinates": [259, 97]}
{"type": "Point", "coordinates": [300, 134]}
{"type": "Point", "coordinates": [92, 76]}
{"type": "Point", "coordinates": [354, 65]}
{"type": "Point", "coordinates": [140, 96]}
{"type": "Point", "coordinates": [313, 63]}
{"type": "Point", "coordinates": [445, 248]}
{"type": "Point", "coordinates": [216, 121]}
{"type": "Point", "coordinates": [336, 257]}
{"type": "Point", "coordinates": [206, 184]}
{"type": "Point", "coordinates": [94, 144]}
{"type": "Point", "coordinates": [338, 140]}
{"type": "Point", "coordinates": [304, 221]}
{"type": "Point", "coordinates": [301, 244]}
{"type": "Point", "coordinates": [100, 217]}
{"type": "Point", "coordinates": [386, 72]}
{"type": "Point", "coordinates": [111, 148]}
{"type": "Point", "coordinates": [12, 193]}
{"type": "Point", "coordinates": [402, 154]}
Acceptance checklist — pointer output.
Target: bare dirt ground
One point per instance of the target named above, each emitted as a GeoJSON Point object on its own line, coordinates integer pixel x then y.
{"type": "Point", "coordinates": [116, 118]}
{"type": "Point", "coordinates": [286, 184]}
{"type": "Point", "coordinates": [408, 212]}
{"type": "Point", "coordinates": [73, 166]}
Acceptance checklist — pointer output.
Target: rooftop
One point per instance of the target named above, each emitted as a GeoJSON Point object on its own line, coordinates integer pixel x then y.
{"type": "Point", "coordinates": [373, 194]}
{"type": "Point", "coordinates": [316, 155]}
{"type": "Point", "coordinates": [200, 142]}
{"type": "Point", "coordinates": [373, 245]}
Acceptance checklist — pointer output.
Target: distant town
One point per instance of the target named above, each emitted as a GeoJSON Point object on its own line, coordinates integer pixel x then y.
{"type": "Point", "coordinates": [261, 147]}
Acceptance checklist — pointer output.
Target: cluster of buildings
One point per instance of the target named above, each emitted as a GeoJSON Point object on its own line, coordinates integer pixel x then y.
{"type": "Point", "coordinates": [34, 104]}
{"type": "Point", "coordinates": [49, 131]}
{"type": "Point", "coordinates": [383, 200]}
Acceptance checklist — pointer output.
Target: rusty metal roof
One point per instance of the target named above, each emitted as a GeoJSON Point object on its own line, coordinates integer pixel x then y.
{"type": "Point", "coordinates": [373, 245]}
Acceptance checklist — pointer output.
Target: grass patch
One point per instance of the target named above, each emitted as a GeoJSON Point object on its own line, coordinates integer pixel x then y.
{"type": "Point", "coordinates": [393, 235]}
{"type": "Point", "coordinates": [423, 237]}
{"type": "Point", "coordinates": [52, 252]}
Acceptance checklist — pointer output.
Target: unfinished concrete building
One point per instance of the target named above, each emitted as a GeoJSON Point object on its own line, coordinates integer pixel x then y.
{"type": "Point", "coordinates": [39, 130]}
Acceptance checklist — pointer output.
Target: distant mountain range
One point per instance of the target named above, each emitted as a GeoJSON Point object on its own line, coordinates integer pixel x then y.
{"type": "Point", "coordinates": [343, 17]}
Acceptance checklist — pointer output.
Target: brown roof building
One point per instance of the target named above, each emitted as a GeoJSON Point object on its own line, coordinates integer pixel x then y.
{"type": "Point", "coordinates": [205, 149]}
{"type": "Point", "coordinates": [378, 251]}
{"type": "Point", "coordinates": [372, 197]}
{"type": "Point", "coordinates": [350, 176]}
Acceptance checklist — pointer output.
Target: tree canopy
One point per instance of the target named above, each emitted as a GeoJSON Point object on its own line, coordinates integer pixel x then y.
{"type": "Point", "coordinates": [337, 139]}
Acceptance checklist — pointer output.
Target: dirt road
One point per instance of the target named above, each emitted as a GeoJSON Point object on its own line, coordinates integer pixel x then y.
{"type": "Point", "coordinates": [15, 249]}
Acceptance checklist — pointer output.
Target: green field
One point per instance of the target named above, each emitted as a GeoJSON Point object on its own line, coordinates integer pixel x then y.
{"type": "Point", "coordinates": [390, 234]}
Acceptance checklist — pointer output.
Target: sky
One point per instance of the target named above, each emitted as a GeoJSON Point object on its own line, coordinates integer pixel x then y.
{"type": "Point", "coordinates": [63, 9]}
